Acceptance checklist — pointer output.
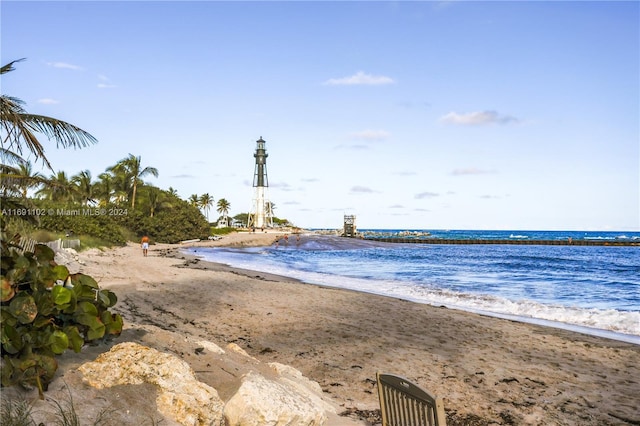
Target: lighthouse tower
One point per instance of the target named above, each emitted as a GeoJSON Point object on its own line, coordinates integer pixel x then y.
{"type": "Point", "coordinates": [261, 215]}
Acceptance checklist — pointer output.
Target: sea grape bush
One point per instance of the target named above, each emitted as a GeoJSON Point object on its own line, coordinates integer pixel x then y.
{"type": "Point", "coordinates": [45, 310]}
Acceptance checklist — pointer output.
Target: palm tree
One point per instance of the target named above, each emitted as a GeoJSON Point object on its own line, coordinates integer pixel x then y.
{"type": "Point", "coordinates": [206, 201]}
{"type": "Point", "coordinates": [58, 188]}
{"type": "Point", "coordinates": [173, 191]}
{"type": "Point", "coordinates": [223, 207]}
{"type": "Point", "coordinates": [25, 178]}
{"type": "Point", "coordinates": [131, 168]}
{"type": "Point", "coordinates": [18, 130]}
{"type": "Point", "coordinates": [104, 188]}
{"type": "Point", "coordinates": [153, 194]}
{"type": "Point", "coordinates": [194, 200]}
{"type": "Point", "coordinates": [84, 186]}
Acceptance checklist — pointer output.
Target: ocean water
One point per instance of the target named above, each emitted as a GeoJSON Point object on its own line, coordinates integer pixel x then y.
{"type": "Point", "coordinates": [590, 289]}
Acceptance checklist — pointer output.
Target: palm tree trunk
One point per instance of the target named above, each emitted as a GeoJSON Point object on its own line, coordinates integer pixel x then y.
{"type": "Point", "coordinates": [133, 195]}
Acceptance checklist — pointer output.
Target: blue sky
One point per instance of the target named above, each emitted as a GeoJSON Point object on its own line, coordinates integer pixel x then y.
{"type": "Point", "coordinates": [437, 115]}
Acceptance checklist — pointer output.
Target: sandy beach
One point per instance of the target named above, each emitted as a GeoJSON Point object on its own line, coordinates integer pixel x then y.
{"type": "Point", "coordinates": [488, 370]}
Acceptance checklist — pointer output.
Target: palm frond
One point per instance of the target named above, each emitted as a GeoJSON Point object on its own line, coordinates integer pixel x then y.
{"type": "Point", "coordinates": [10, 157]}
{"type": "Point", "coordinates": [19, 128]}
{"type": "Point", "coordinates": [9, 66]}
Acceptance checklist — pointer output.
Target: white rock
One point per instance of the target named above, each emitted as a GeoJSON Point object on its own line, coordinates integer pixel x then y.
{"type": "Point", "coordinates": [261, 402]}
{"type": "Point", "coordinates": [211, 347]}
{"type": "Point", "coordinates": [181, 396]}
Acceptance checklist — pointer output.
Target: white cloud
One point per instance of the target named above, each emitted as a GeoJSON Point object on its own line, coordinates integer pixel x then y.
{"type": "Point", "coordinates": [470, 171]}
{"type": "Point", "coordinates": [65, 66]}
{"type": "Point", "coordinates": [371, 135]}
{"type": "Point", "coordinates": [105, 82]}
{"type": "Point", "coordinates": [477, 118]}
{"type": "Point", "coordinates": [360, 78]}
{"type": "Point", "coordinates": [361, 190]}
{"type": "Point", "coordinates": [47, 101]}
{"type": "Point", "coordinates": [422, 195]}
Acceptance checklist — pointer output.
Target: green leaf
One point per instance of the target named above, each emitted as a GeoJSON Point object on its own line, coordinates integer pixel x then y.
{"type": "Point", "coordinates": [60, 272]}
{"type": "Point", "coordinates": [61, 295]}
{"type": "Point", "coordinates": [86, 280]}
{"type": "Point", "coordinates": [24, 308]}
{"type": "Point", "coordinates": [75, 339]}
{"type": "Point", "coordinates": [11, 340]}
{"type": "Point", "coordinates": [44, 301]}
{"type": "Point", "coordinates": [22, 263]}
{"type": "Point", "coordinates": [87, 308]}
{"type": "Point", "coordinates": [7, 290]}
{"type": "Point", "coordinates": [41, 321]}
{"type": "Point", "coordinates": [96, 332]}
{"type": "Point", "coordinates": [43, 253]}
{"type": "Point", "coordinates": [59, 342]}
{"type": "Point", "coordinates": [86, 319]}
{"type": "Point", "coordinates": [113, 323]}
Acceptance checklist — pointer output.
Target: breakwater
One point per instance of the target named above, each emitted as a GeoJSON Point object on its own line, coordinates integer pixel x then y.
{"type": "Point", "coordinates": [567, 242]}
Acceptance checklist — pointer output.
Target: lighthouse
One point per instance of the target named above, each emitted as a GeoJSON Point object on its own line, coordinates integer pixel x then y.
{"type": "Point", "coordinates": [261, 215]}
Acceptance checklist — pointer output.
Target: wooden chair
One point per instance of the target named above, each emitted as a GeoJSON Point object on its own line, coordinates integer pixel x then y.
{"type": "Point", "coordinates": [403, 403]}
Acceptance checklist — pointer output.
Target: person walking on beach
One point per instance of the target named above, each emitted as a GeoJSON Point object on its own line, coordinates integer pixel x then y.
{"type": "Point", "coordinates": [145, 245]}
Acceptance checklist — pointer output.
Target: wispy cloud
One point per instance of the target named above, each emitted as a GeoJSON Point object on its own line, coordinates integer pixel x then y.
{"type": "Point", "coordinates": [477, 118]}
{"type": "Point", "coordinates": [424, 195]}
{"type": "Point", "coordinates": [360, 78]}
{"type": "Point", "coordinates": [371, 135]}
{"type": "Point", "coordinates": [361, 190]}
{"type": "Point", "coordinates": [414, 105]}
{"type": "Point", "coordinates": [65, 65]}
{"type": "Point", "coordinates": [47, 101]}
{"type": "Point", "coordinates": [396, 206]}
{"type": "Point", "coordinates": [471, 171]}
{"type": "Point", "coordinates": [283, 186]}
{"type": "Point", "coordinates": [105, 82]}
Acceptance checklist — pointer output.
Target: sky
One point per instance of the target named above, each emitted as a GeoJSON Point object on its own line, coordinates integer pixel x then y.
{"type": "Point", "coordinates": [409, 115]}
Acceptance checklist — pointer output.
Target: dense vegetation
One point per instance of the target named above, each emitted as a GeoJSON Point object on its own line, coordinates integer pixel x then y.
{"type": "Point", "coordinates": [44, 310]}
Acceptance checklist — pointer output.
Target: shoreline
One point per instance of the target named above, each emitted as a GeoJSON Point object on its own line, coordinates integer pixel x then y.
{"type": "Point", "coordinates": [582, 329]}
{"type": "Point", "coordinates": [487, 370]}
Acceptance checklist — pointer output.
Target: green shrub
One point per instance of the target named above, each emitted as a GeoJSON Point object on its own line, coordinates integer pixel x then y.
{"type": "Point", "coordinates": [81, 220]}
{"type": "Point", "coordinates": [171, 225]}
{"type": "Point", "coordinates": [44, 311]}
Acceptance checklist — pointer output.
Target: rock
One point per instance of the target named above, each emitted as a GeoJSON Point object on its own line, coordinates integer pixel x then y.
{"type": "Point", "coordinates": [237, 349]}
{"type": "Point", "coordinates": [279, 402]}
{"type": "Point", "coordinates": [302, 385]}
{"type": "Point", "coordinates": [181, 396]}
{"type": "Point", "coordinates": [211, 347]}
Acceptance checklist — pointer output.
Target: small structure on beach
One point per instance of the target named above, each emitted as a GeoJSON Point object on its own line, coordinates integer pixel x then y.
{"type": "Point", "coordinates": [261, 215]}
{"type": "Point", "coordinates": [349, 227]}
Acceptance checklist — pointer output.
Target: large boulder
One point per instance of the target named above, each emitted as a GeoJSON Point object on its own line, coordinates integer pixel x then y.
{"type": "Point", "coordinates": [180, 396]}
{"type": "Point", "coordinates": [288, 399]}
